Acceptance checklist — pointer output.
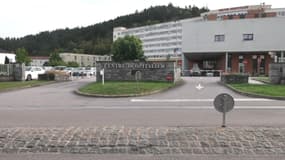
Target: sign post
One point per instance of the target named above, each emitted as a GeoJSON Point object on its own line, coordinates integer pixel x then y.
{"type": "Point", "coordinates": [224, 103]}
{"type": "Point", "coordinates": [138, 76]}
{"type": "Point", "coordinates": [102, 74]}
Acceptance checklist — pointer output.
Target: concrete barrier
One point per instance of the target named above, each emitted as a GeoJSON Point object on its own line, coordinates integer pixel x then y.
{"type": "Point", "coordinates": [277, 73]}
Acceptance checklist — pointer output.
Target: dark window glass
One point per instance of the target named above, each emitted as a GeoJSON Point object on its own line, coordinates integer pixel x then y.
{"type": "Point", "coordinates": [247, 37]}
{"type": "Point", "coordinates": [219, 38]}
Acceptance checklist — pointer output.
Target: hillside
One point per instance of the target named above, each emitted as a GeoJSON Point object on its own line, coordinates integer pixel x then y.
{"type": "Point", "coordinates": [96, 39]}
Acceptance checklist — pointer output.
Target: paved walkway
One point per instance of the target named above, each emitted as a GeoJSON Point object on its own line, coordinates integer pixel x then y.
{"type": "Point", "coordinates": [252, 81]}
{"type": "Point", "coordinates": [128, 140]}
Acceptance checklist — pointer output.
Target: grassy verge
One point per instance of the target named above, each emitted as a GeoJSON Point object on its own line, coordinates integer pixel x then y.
{"type": "Point", "coordinates": [266, 90]}
{"type": "Point", "coordinates": [16, 84]}
{"type": "Point", "coordinates": [124, 88]}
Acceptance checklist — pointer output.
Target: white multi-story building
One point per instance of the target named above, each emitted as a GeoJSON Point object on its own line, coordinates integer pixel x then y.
{"type": "Point", "coordinates": [10, 56]}
{"type": "Point", "coordinates": [159, 40]}
{"type": "Point", "coordinates": [84, 59]}
{"type": "Point", "coordinates": [39, 60]}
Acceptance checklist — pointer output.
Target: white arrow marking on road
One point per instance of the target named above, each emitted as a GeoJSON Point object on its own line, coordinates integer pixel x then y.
{"type": "Point", "coordinates": [199, 86]}
{"type": "Point", "coordinates": [200, 100]}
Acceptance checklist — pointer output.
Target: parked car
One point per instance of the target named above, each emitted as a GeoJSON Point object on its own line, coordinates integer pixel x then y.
{"type": "Point", "coordinates": [59, 68]}
{"type": "Point", "coordinates": [69, 70]}
{"type": "Point", "coordinates": [90, 71]}
{"type": "Point", "coordinates": [195, 71]}
{"type": "Point", "coordinates": [33, 72]}
{"type": "Point", "coordinates": [80, 71]}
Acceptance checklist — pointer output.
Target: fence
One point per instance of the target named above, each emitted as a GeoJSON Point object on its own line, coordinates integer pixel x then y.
{"type": "Point", "coordinates": [12, 72]}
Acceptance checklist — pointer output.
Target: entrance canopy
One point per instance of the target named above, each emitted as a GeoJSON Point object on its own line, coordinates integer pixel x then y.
{"type": "Point", "coordinates": [202, 56]}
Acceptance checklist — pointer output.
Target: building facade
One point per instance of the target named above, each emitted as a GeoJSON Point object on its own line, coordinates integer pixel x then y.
{"type": "Point", "coordinates": [84, 60]}
{"type": "Point", "coordinates": [160, 41]}
{"type": "Point", "coordinates": [39, 60]}
{"type": "Point", "coordinates": [240, 39]}
{"type": "Point", "coordinates": [6, 56]}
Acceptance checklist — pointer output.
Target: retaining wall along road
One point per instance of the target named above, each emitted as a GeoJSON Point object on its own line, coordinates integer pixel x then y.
{"type": "Point", "coordinates": [277, 73]}
{"type": "Point", "coordinates": [149, 71]}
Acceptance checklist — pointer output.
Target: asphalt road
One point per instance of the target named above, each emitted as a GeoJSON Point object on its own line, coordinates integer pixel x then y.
{"type": "Point", "coordinates": [56, 105]}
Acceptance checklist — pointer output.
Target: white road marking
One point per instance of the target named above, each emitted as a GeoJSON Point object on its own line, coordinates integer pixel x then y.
{"type": "Point", "coordinates": [199, 86]}
{"type": "Point", "coordinates": [200, 100]}
{"type": "Point", "coordinates": [142, 108]}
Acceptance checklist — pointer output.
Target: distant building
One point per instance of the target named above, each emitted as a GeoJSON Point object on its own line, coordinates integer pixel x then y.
{"type": "Point", "coordinates": [160, 41]}
{"type": "Point", "coordinates": [10, 56]}
{"type": "Point", "coordinates": [39, 60]}
{"type": "Point", "coordinates": [84, 59]}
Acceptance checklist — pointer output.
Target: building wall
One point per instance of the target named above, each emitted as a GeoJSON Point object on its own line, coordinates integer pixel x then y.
{"type": "Point", "coordinates": [39, 61]}
{"type": "Point", "coordinates": [158, 40]}
{"type": "Point", "coordinates": [84, 59]}
{"type": "Point", "coordinates": [268, 35]}
{"type": "Point", "coordinates": [11, 57]}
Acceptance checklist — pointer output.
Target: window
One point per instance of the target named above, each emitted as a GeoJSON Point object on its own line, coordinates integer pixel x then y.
{"type": "Point", "coordinates": [247, 37]}
{"type": "Point", "coordinates": [219, 38]}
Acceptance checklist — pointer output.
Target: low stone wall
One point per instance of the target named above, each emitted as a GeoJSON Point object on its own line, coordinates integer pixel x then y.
{"type": "Point", "coordinates": [148, 71]}
{"type": "Point", "coordinates": [277, 73]}
{"type": "Point", "coordinates": [234, 78]}
{"type": "Point", "coordinates": [12, 72]}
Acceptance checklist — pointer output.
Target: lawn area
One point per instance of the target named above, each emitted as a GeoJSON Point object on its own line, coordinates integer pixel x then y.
{"type": "Point", "coordinates": [19, 84]}
{"type": "Point", "coordinates": [267, 89]}
{"type": "Point", "coordinates": [124, 88]}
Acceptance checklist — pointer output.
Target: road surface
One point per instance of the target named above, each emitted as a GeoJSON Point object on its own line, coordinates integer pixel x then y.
{"type": "Point", "coordinates": [57, 105]}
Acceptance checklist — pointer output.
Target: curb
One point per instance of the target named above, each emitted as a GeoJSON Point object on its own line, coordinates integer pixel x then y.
{"type": "Point", "coordinates": [250, 94]}
{"type": "Point", "coordinates": [177, 84]}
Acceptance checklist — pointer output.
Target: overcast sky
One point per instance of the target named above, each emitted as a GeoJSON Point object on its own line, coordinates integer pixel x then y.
{"type": "Point", "coordinates": [23, 17]}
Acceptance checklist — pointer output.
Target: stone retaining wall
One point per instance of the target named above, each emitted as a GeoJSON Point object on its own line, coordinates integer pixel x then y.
{"type": "Point", "coordinates": [149, 71]}
{"type": "Point", "coordinates": [12, 72]}
{"type": "Point", "coordinates": [277, 73]}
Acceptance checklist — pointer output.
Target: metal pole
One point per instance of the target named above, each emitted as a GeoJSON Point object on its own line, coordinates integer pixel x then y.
{"type": "Point", "coordinates": [226, 62]}
{"type": "Point", "coordinates": [224, 120]}
{"type": "Point", "coordinates": [103, 78]}
{"type": "Point", "coordinates": [224, 114]}
{"type": "Point", "coordinates": [282, 57]}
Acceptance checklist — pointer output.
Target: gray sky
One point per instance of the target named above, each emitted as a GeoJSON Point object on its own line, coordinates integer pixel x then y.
{"type": "Point", "coordinates": [23, 17]}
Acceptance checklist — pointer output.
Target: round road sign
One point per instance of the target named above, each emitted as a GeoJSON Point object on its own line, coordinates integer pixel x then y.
{"type": "Point", "coordinates": [224, 103]}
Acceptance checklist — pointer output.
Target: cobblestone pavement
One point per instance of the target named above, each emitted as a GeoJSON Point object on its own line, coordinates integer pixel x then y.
{"type": "Point", "coordinates": [144, 140]}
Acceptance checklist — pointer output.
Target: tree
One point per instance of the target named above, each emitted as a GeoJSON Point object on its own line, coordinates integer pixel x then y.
{"type": "Point", "coordinates": [72, 64]}
{"type": "Point", "coordinates": [127, 48]}
{"type": "Point", "coordinates": [55, 59]}
{"type": "Point", "coordinates": [22, 56]}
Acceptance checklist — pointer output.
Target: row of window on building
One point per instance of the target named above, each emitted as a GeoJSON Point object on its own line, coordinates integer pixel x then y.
{"type": "Point", "coordinates": [175, 51]}
{"type": "Point", "coordinates": [150, 34]}
{"type": "Point", "coordinates": [167, 38]}
{"type": "Point", "coordinates": [151, 28]}
{"type": "Point", "coordinates": [98, 58]}
{"type": "Point", "coordinates": [163, 44]}
{"type": "Point", "coordinates": [245, 37]}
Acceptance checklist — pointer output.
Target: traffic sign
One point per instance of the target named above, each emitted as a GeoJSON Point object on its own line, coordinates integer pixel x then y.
{"type": "Point", "coordinates": [224, 102]}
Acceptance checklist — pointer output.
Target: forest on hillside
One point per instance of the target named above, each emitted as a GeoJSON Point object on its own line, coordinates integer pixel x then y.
{"type": "Point", "coordinates": [97, 38]}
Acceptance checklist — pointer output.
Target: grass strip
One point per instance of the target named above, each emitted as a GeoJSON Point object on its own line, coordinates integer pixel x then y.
{"type": "Point", "coordinates": [124, 88]}
{"type": "Point", "coordinates": [267, 89]}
